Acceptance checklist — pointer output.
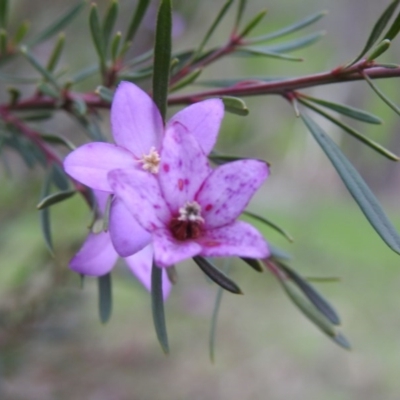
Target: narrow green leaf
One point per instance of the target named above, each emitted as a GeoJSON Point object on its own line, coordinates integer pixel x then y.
{"type": "Point", "coordinates": [3, 42]}
{"type": "Point", "coordinates": [105, 93]}
{"type": "Point", "coordinates": [80, 106]}
{"type": "Point", "coordinates": [97, 36]}
{"type": "Point", "coordinates": [55, 198]}
{"type": "Point", "coordinates": [289, 29]}
{"type": "Point", "coordinates": [319, 302]}
{"type": "Point", "coordinates": [278, 253]}
{"type": "Point", "coordinates": [270, 224]}
{"type": "Point", "coordinates": [394, 29]}
{"type": "Point", "coordinates": [235, 105]}
{"type": "Point", "coordinates": [296, 44]}
{"type": "Point", "coordinates": [216, 275]}
{"type": "Point", "coordinates": [252, 23]}
{"type": "Point", "coordinates": [214, 319]}
{"type": "Point", "coordinates": [48, 90]}
{"type": "Point", "coordinates": [211, 29]}
{"type": "Point", "coordinates": [241, 7]}
{"type": "Point", "coordinates": [369, 142]}
{"type": "Point", "coordinates": [59, 177]}
{"type": "Point", "coordinates": [109, 22]}
{"type": "Point", "coordinates": [21, 32]}
{"type": "Point", "coordinates": [56, 53]}
{"type": "Point", "coordinates": [379, 50]}
{"type": "Point", "coordinates": [162, 56]}
{"type": "Point", "coordinates": [140, 59]}
{"type": "Point", "coordinates": [45, 215]}
{"type": "Point", "coordinates": [253, 80]}
{"type": "Point", "coordinates": [3, 13]}
{"type": "Point", "coordinates": [105, 297]}
{"type": "Point", "coordinates": [378, 28]}
{"type": "Point", "coordinates": [253, 263]}
{"type": "Point", "coordinates": [136, 19]}
{"type": "Point", "coordinates": [57, 25]}
{"type": "Point", "coordinates": [384, 98]}
{"type": "Point", "coordinates": [361, 193]}
{"type": "Point", "coordinates": [258, 51]}
{"type": "Point", "coordinates": [47, 75]}
{"type": "Point", "coordinates": [115, 44]}
{"type": "Point", "coordinates": [187, 80]}
{"type": "Point", "coordinates": [351, 112]}
{"type": "Point", "coordinates": [84, 74]}
{"type": "Point", "coordinates": [157, 305]}
{"type": "Point", "coordinates": [57, 139]}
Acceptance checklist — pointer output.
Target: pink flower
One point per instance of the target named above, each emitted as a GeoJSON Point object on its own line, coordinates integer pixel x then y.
{"type": "Point", "coordinates": [138, 132]}
{"type": "Point", "coordinates": [97, 256]}
{"type": "Point", "coordinates": [190, 209]}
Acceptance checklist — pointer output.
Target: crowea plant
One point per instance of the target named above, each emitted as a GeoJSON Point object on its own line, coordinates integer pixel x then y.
{"type": "Point", "coordinates": [173, 194]}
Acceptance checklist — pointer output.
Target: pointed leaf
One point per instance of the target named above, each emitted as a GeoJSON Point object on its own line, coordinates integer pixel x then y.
{"type": "Point", "coordinates": [3, 13]}
{"type": "Point", "coordinates": [21, 32]}
{"type": "Point", "coordinates": [162, 56]}
{"type": "Point", "coordinates": [109, 22]}
{"type": "Point", "coordinates": [216, 275]}
{"type": "Point", "coordinates": [106, 94]}
{"type": "Point", "coordinates": [379, 50]}
{"type": "Point", "coordinates": [378, 28]}
{"type": "Point", "coordinates": [241, 7]}
{"type": "Point", "coordinates": [253, 263]}
{"type": "Point", "coordinates": [58, 25]}
{"type": "Point", "coordinates": [59, 177]}
{"type": "Point", "coordinates": [55, 198]}
{"type": "Point", "coordinates": [369, 142]}
{"type": "Point", "coordinates": [97, 36]}
{"type": "Point", "coordinates": [187, 80]}
{"type": "Point", "coordinates": [157, 304]}
{"type": "Point", "coordinates": [258, 51]}
{"type": "Point", "coordinates": [289, 29]}
{"type": "Point", "coordinates": [105, 297]}
{"type": "Point", "coordinates": [3, 41]}
{"type": "Point", "coordinates": [45, 215]}
{"type": "Point", "coordinates": [115, 45]}
{"type": "Point", "coordinates": [56, 54]}
{"type": "Point", "coordinates": [361, 193]}
{"type": "Point", "coordinates": [136, 19]}
{"type": "Point", "coordinates": [296, 44]}
{"type": "Point", "coordinates": [394, 29]}
{"type": "Point", "coordinates": [315, 298]}
{"type": "Point", "coordinates": [235, 105]}
{"type": "Point", "coordinates": [252, 24]}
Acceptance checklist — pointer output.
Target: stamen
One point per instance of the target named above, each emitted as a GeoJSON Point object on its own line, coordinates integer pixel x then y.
{"type": "Point", "coordinates": [150, 162]}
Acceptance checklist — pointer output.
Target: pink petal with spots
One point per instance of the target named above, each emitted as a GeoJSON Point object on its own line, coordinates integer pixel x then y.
{"type": "Point", "coordinates": [141, 263]}
{"type": "Point", "coordinates": [96, 257]}
{"type": "Point", "coordinates": [183, 167]}
{"type": "Point", "coordinates": [90, 163]}
{"type": "Point", "coordinates": [202, 120]}
{"type": "Point", "coordinates": [135, 120]}
{"type": "Point", "coordinates": [127, 236]}
{"type": "Point", "coordinates": [227, 191]}
{"type": "Point", "coordinates": [239, 239]}
{"type": "Point", "coordinates": [141, 195]}
{"type": "Point", "coordinates": [169, 251]}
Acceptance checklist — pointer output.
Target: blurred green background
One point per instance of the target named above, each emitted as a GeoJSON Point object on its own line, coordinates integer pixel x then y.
{"type": "Point", "coordinates": [52, 343]}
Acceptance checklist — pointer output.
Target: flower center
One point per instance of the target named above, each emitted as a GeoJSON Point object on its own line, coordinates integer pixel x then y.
{"type": "Point", "coordinates": [189, 222]}
{"type": "Point", "coordinates": [150, 162]}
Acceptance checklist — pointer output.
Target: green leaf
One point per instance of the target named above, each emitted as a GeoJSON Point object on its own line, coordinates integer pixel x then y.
{"type": "Point", "coordinates": [384, 98]}
{"type": "Point", "coordinates": [253, 263]}
{"type": "Point", "coordinates": [59, 177]}
{"type": "Point", "coordinates": [361, 193]}
{"type": "Point", "coordinates": [394, 29]}
{"type": "Point", "coordinates": [214, 319]}
{"type": "Point", "coordinates": [235, 105]}
{"type": "Point", "coordinates": [58, 25]}
{"type": "Point", "coordinates": [136, 19]}
{"type": "Point", "coordinates": [278, 254]}
{"type": "Point", "coordinates": [162, 56]}
{"type": "Point", "coordinates": [3, 13]}
{"type": "Point", "coordinates": [3, 42]}
{"type": "Point", "coordinates": [106, 94]}
{"type": "Point", "coordinates": [187, 80]}
{"type": "Point", "coordinates": [252, 24]}
{"type": "Point", "coordinates": [105, 297]}
{"type": "Point", "coordinates": [47, 75]}
{"type": "Point", "coordinates": [378, 28]}
{"type": "Point", "coordinates": [379, 50]}
{"type": "Point", "coordinates": [296, 44]}
{"type": "Point", "coordinates": [109, 22]}
{"type": "Point", "coordinates": [157, 305]}
{"type": "Point", "coordinates": [57, 139]}
{"type": "Point", "coordinates": [97, 36]}
{"type": "Point", "coordinates": [253, 80]}
{"type": "Point", "coordinates": [45, 215]}
{"type": "Point", "coordinates": [55, 198]}
{"type": "Point", "coordinates": [351, 112]}
{"type": "Point", "coordinates": [115, 44]}
{"type": "Point", "coordinates": [369, 142]}
{"type": "Point", "coordinates": [84, 74]}
{"type": "Point", "coordinates": [258, 51]}
{"type": "Point", "coordinates": [56, 53]}
{"type": "Point", "coordinates": [241, 7]}
{"type": "Point", "coordinates": [289, 29]}
{"type": "Point", "coordinates": [216, 275]}
{"type": "Point", "coordinates": [319, 302]}
{"type": "Point", "coordinates": [265, 221]}
{"type": "Point", "coordinates": [21, 32]}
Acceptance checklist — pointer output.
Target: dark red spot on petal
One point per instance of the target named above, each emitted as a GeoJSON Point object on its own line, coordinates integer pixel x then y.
{"type": "Point", "coordinates": [211, 244]}
{"type": "Point", "coordinates": [180, 184]}
{"type": "Point", "coordinates": [166, 167]}
{"type": "Point", "coordinates": [208, 207]}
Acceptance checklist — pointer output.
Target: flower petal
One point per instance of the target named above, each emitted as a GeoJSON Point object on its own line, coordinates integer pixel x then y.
{"type": "Point", "coordinates": [239, 239]}
{"type": "Point", "coordinates": [127, 236]}
{"type": "Point", "coordinates": [169, 251]}
{"type": "Point", "coordinates": [183, 167]}
{"type": "Point", "coordinates": [141, 263]}
{"type": "Point", "coordinates": [96, 257]}
{"type": "Point", "coordinates": [135, 120]}
{"type": "Point", "coordinates": [203, 120]}
{"type": "Point", "coordinates": [90, 163]}
{"type": "Point", "coordinates": [227, 191]}
{"type": "Point", "coordinates": [101, 199]}
{"type": "Point", "coordinates": [142, 197]}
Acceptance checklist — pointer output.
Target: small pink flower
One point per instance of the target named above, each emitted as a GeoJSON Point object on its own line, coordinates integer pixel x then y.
{"type": "Point", "coordinates": [190, 209]}
{"type": "Point", "coordinates": [138, 132]}
{"type": "Point", "coordinates": [97, 256]}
